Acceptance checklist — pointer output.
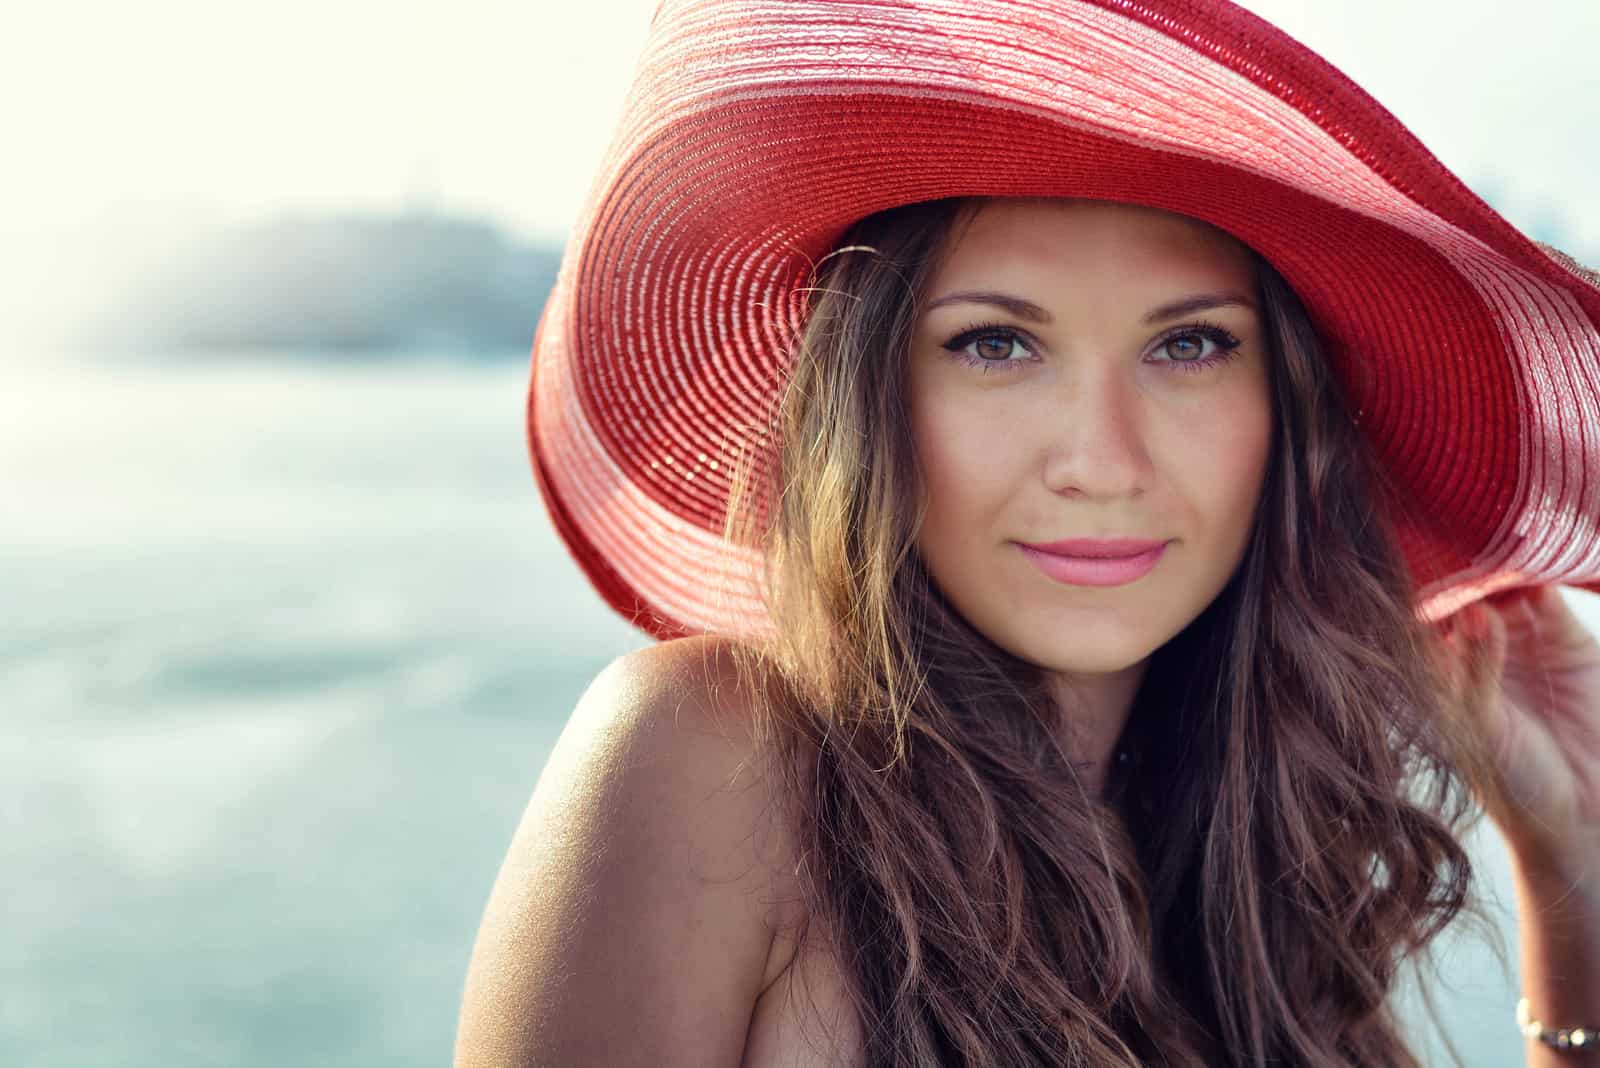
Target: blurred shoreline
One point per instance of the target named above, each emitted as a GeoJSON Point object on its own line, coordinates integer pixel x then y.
{"type": "Point", "coordinates": [367, 285]}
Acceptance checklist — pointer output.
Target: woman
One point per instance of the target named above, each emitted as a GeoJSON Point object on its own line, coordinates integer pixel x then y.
{"type": "Point", "coordinates": [917, 777]}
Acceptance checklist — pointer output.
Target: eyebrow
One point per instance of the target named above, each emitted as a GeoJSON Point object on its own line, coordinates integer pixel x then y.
{"type": "Point", "coordinates": [1027, 309]}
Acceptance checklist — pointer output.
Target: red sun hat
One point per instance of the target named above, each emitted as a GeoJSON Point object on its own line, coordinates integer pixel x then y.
{"type": "Point", "coordinates": [757, 131]}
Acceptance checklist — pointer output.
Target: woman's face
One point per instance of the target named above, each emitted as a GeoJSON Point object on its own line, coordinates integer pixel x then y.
{"type": "Point", "coordinates": [1052, 397]}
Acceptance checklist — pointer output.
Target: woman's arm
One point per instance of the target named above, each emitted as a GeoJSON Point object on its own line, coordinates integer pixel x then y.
{"type": "Point", "coordinates": [1529, 679]}
{"type": "Point", "coordinates": [1558, 936]}
{"type": "Point", "coordinates": [628, 925]}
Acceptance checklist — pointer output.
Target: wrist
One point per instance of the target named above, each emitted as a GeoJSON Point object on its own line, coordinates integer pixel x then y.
{"type": "Point", "coordinates": [1558, 926]}
{"type": "Point", "coordinates": [1554, 1037]}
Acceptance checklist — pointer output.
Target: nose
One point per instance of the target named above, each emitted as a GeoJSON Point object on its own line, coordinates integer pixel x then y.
{"type": "Point", "coordinates": [1095, 445]}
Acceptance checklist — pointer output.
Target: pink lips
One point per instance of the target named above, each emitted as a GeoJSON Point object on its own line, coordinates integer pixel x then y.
{"type": "Point", "coordinates": [1085, 562]}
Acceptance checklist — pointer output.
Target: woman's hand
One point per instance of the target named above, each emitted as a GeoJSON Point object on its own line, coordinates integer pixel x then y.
{"type": "Point", "coordinates": [1527, 673]}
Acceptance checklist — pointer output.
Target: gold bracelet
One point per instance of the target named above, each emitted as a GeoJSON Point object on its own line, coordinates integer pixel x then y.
{"type": "Point", "coordinates": [1556, 1037]}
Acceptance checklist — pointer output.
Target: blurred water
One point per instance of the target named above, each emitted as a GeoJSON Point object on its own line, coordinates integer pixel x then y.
{"type": "Point", "coordinates": [284, 646]}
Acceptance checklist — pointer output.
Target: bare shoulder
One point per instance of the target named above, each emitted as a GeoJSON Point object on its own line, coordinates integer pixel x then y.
{"type": "Point", "coordinates": [688, 688]}
{"type": "Point", "coordinates": [683, 708]}
{"type": "Point", "coordinates": [633, 920]}
{"type": "Point", "coordinates": [677, 717]}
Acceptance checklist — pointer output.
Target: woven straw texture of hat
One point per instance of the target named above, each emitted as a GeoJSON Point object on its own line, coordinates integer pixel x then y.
{"type": "Point", "coordinates": [756, 131]}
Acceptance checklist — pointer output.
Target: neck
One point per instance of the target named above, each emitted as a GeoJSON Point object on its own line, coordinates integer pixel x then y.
{"type": "Point", "coordinates": [1094, 712]}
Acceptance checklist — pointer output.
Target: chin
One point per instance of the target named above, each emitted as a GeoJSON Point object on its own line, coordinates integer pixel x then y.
{"type": "Point", "coordinates": [1084, 654]}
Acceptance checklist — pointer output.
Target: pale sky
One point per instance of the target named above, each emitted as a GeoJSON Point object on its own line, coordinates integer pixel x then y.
{"type": "Point", "coordinates": [237, 110]}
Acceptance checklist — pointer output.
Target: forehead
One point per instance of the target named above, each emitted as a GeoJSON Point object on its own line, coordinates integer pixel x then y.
{"type": "Point", "coordinates": [1107, 240]}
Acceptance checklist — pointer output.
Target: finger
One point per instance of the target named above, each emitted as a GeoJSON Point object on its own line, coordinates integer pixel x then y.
{"type": "Point", "coordinates": [1484, 643]}
{"type": "Point", "coordinates": [1489, 638]}
{"type": "Point", "coordinates": [1514, 596]}
{"type": "Point", "coordinates": [1522, 614]}
{"type": "Point", "coordinates": [1482, 651]}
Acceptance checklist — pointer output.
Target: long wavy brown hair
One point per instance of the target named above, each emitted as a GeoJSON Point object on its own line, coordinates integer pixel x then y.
{"type": "Point", "coordinates": [1248, 890]}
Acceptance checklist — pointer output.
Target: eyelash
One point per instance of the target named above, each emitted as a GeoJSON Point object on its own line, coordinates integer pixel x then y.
{"type": "Point", "coordinates": [1227, 345]}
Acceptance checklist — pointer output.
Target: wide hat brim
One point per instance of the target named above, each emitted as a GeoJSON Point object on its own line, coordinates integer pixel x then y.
{"type": "Point", "coordinates": [757, 131]}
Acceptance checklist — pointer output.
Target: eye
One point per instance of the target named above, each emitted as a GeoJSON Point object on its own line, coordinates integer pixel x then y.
{"type": "Point", "coordinates": [1194, 357]}
{"type": "Point", "coordinates": [991, 345]}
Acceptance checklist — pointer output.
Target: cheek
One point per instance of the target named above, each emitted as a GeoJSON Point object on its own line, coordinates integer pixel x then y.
{"type": "Point", "coordinates": [965, 457]}
{"type": "Point", "coordinates": [1221, 454]}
